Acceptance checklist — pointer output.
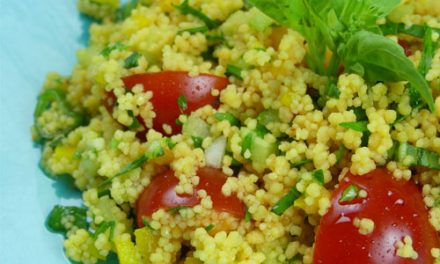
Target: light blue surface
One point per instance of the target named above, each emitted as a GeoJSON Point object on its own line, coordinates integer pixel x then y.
{"type": "Point", "coordinates": [35, 37]}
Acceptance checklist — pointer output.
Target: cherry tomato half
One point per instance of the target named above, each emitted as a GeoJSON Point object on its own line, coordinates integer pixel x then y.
{"type": "Point", "coordinates": [168, 86]}
{"type": "Point", "coordinates": [397, 209]}
{"type": "Point", "coordinates": [406, 47]}
{"type": "Point", "coordinates": [160, 193]}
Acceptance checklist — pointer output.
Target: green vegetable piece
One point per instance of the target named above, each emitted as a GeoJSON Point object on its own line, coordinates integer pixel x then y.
{"type": "Point", "coordinates": [117, 46]}
{"type": "Point", "coordinates": [261, 150]}
{"type": "Point", "coordinates": [268, 116]}
{"type": "Point", "coordinates": [132, 60]}
{"type": "Point", "coordinates": [297, 257]}
{"type": "Point", "coordinates": [209, 227]}
{"type": "Point", "coordinates": [215, 38]}
{"type": "Point", "coordinates": [182, 103]}
{"type": "Point", "coordinates": [360, 126]}
{"type": "Point", "coordinates": [349, 194]}
{"type": "Point", "coordinates": [301, 163]}
{"type": "Point", "coordinates": [124, 10]}
{"type": "Point", "coordinates": [169, 142]}
{"type": "Point", "coordinates": [437, 202]}
{"type": "Point", "coordinates": [175, 210]}
{"type": "Point", "coordinates": [340, 153]}
{"type": "Point", "coordinates": [247, 142]}
{"type": "Point", "coordinates": [202, 29]}
{"type": "Point", "coordinates": [232, 70]}
{"type": "Point", "coordinates": [135, 124]}
{"type": "Point", "coordinates": [318, 175]}
{"type": "Point", "coordinates": [259, 21]}
{"type": "Point", "coordinates": [418, 31]}
{"type": "Point", "coordinates": [428, 52]}
{"type": "Point", "coordinates": [360, 113]}
{"type": "Point", "coordinates": [261, 131]}
{"type": "Point", "coordinates": [378, 58]}
{"type": "Point", "coordinates": [186, 9]}
{"type": "Point", "coordinates": [59, 212]}
{"type": "Point", "coordinates": [197, 141]}
{"type": "Point", "coordinates": [146, 223]}
{"type": "Point", "coordinates": [247, 216]}
{"type": "Point", "coordinates": [104, 226]}
{"type": "Point", "coordinates": [196, 127]}
{"type": "Point", "coordinates": [286, 201]}
{"type": "Point", "coordinates": [414, 156]}
{"type": "Point", "coordinates": [229, 117]}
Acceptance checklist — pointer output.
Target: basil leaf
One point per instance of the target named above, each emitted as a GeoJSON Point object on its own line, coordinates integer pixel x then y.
{"type": "Point", "coordinates": [378, 58]}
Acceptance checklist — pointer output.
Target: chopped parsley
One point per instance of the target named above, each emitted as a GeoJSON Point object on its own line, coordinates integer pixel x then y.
{"type": "Point", "coordinates": [318, 175]}
{"type": "Point", "coordinates": [197, 141]}
{"type": "Point", "coordinates": [186, 9]}
{"type": "Point", "coordinates": [202, 29]}
{"type": "Point", "coordinates": [182, 103]}
{"type": "Point", "coordinates": [232, 70]}
{"type": "Point", "coordinates": [350, 193]}
{"type": "Point", "coordinates": [229, 117]}
{"type": "Point", "coordinates": [209, 227]}
{"type": "Point", "coordinates": [300, 163]}
{"type": "Point", "coordinates": [247, 216]}
{"type": "Point", "coordinates": [132, 60]}
{"type": "Point", "coordinates": [286, 201]}
{"type": "Point", "coordinates": [175, 210]}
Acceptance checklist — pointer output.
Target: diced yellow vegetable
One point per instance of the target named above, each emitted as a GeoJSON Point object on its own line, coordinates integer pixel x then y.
{"type": "Point", "coordinates": [145, 243]}
{"type": "Point", "coordinates": [127, 251]}
{"type": "Point", "coordinates": [191, 260]}
{"type": "Point", "coordinates": [64, 152]}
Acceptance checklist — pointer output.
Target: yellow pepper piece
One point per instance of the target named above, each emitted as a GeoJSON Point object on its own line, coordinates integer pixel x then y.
{"type": "Point", "coordinates": [126, 250]}
{"type": "Point", "coordinates": [66, 152]}
{"type": "Point", "coordinates": [145, 243]}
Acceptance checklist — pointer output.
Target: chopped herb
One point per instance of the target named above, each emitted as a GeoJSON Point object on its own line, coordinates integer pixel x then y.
{"type": "Point", "coordinates": [132, 60]}
{"type": "Point", "coordinates": [332, 90]}
{"type": "Point", "coordinates": [247, 216]}
{"type": "Point", "coordinates": [117, 46]}
{"type": "Point", "coordinates": [437, 202]}
{"type": "Point", "coordinates": [360, 113]}
{"type": "Point", "coordinates": [232, 70]}
{"type": "Point", "coordinates": [297, 257]}
{"type": "Point", "coordinates": [365, 138]}
{"type": "Point", "coordinates": [146, 223]}
{"type": "Point", "coordinates": [215, 38]}
{"type": "Point", "coordinates": [125, 10]}
{"type": "Point", "coordinates": [414, 156]}
{"type": "Point", "coordinates": [340, 153]}
{"type": "Point", "coordinates": [209, 227]}
{"type": "Point", "coordinates": [104, 193]}
{"type": "Point", "coordinates": [285, 202]}
{"type": "Point", "coordinates": [202, 29]}
{"type": "Point", "coordinates": [300, 163]}
{"type": "Point", "coordinates": [318, 175]}
{"type": "Point", "coordinates": [261, 130]}
{"type": "Point", "coordinates": [135, 124]}
{"type": "Point", "coordinates": [104, 226]}
{"type": "Point", "coordinates": [360, 126]}
{"type": "Point", "coordinates": [78, 216]}
{"type": "Point", "coordinates": [197, 141]}
{"type": "Point", "coordinates": [182, 103]}
{"type": "Point", "coordinates": [349, 194]}
{"type": "Point", "coordinates": [229, 117]}
{"type": "Point", "coordinates": [418, 31]}
{"type": "Point", "coordinates": [186, 9]}
{"type": "Point", "coordinates": [169, 142]}
{"type": "Point", "coordinates": [247, 142]}
{"type": "Point", "coordinates": [175, 210]}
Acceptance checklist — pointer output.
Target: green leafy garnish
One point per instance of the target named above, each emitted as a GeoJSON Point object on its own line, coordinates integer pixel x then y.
{"type": "Point", "coordinates": [186, 9]}
{"type": "Point", "coordinates": [300, 163]}
{"type": "Point", "coordinates": [247, 142]}
{"type": "Point", "coordinates": [232, 70]}
{"type": "Point", "coordinates": [286, 201]}
{"type": "Point", "coordinates": [340, 153]}
{"type": "Point", "coordinates": [146, 223]}
{"type": "Point", "coordinates": [104, 226]}
{"type": "Point", "coordinates": [117, 46]}
{"type": "Point", "coordinates": [132, 60]}
{"type": "Point", "coordinates": [135, 124]}
{"type": "Point", "coordinates": [318, 175]}
{"type": "Point", "coordinates": [349, 194]}
{"type": "Point", "coordinates": [124, 10]}
{"type": "Point", "coordinates": [297, 257]}
{"type": "Point", "coordinates": [418, 31]}
{"type": "Point", "coordinates": [59, 214]}
{"type": "Point", "coordinates": [229, 117]}
{"type": "Point", "coordinates": [268, 116]}
{"type": "Point", "coordinates": [247, 216]}
{"type": "Point", "coordinates": [209, 227]}
{"type": "Point", "coordinates": [175, 210]}
{"type": "Point", "coordinates": [197, 141]}
{"type": "Point", "coordinates": [409, 155]}
{"type": "Point", "coordinates": [182, 103]}
{"type": "Point", "coordinates": [360, 126]}
{"type": "Point", "coordinates": [202, 29]}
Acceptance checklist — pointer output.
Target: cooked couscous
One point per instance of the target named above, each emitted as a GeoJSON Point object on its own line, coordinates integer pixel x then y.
{"type": "Point", "coordinates": [231, 131]}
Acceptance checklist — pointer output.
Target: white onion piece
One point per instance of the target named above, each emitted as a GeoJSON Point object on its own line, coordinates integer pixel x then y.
{"type": "Point", "coordinates": [215, 152]}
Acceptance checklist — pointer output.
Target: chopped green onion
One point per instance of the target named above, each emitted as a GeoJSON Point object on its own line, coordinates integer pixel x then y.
{"type": "Point", "coordinates": [103, 193]}
{"type": "Point", "coordinates": [117, 46]}
{"type": "Point", "coordinates": [229, 117]}
{"type": "Point", "coordinates": [59, 212]}
{"type": "Point", "coordinates": [215, 38]}
{"type": "Point", "coordinates": [360, 126]}
{"type": "Point", "coordinates": [285, 202]}
{"type": "Point", "coordinates": [202, 29]}
{"type": "Point", "coordinates": [146, 223]}
{"type": "Point", "coordinates": [340, 153]}
{"type": "Point", "coordinates": [297, 257]}
{"type": "Point", "coordinates": [247, 142]}
{"type": "Point", "coordinates": [197, 141]}
{"type": "Point", "coordinates": [414, 156]}
{"type": "Point", "coordinates": [247, 216]}
{"type": "Point", "coordinates": [103, 227]}
{"type": "Point", "coordinates": [175, 210]}
{"type": "Point", "coordinates": [209, 227]}
{"type": "Point", "coordinates": [300, 163]}
{"type": "Point", "coordinates": [186, 9]}
{"type": "Point", "coordinates": [318, 175]}
{"type": "Point", "coordinates": [132, 60]}
{"type": "Point", "coordinates": [135, 124]}
{"type": "Point", "coordinates": [332, 90]}
{"type": "Point", "coordinates": [232, 70]}
{"type": "Point", "coordinates": [349, 194]}
{"type": "Point", "coordinates": [182, 103]}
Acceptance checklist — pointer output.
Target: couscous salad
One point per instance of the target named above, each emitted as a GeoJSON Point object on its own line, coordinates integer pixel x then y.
{"type": "Point", "coordinates": [259, 131]}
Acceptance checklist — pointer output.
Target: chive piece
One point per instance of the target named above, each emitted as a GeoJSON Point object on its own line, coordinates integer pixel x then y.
{"type": "Point", "coordinates": [186, 9]}
{"type": "Point", "coordinates": [300, 163]}
{"type": "Point", "coordinates": [146, 223]}
{"type": "Point", "coordinates": [135, 124]}
{"type": "Point", "coordinates": [318, 175]}
{"type": "Point", "coordinates": [417, 31]}
{"type": "Point", "coordinates": [215, 38]}
{"type": "Point", "coordinates": [340, 153]}
{"type": "Point", "coordinates": [132, 60]}
{"type": "Point", "coordinates": [104, 193]}
{"type": "Point", "coordinates": [182, 103]}
{"type": "Point", "coordinates": [197, 141]}
{"type": "Point", "coordinates": [286, 201]}
{"type": "Point", "coordinates": [360, 126]}
{"type": "Point", "coordinates": [360, 113]}
{"type": "Point", "coordinates": [267, 117]}
{"type": "Point", "coordinates": [232, 70]}
{"type": "Point", "coordinates": [247, 142]}
{"type": "Point", "coordinates": [59, 212]}
{"type": "Point", "coordinates": [117, 46]}
{"type": "Point", "coordinates": [103, 227]}
{"type": "Point", "coordinates": [349, 194]}
{"type": "Point", "coordinates": [229, 117]}
{"type": "Point", "coordinates": [209, 227]}
{"type": "Point", "coordinates": [247, 216]}
{"type": "Point", "coordinates": [175, 210]}
{"type": "Point", "coordinates": [154, 150]}
{"type": "Point", "coordinates": [202, 29]}
{"type": "Point", "coordinates": [414, 156]}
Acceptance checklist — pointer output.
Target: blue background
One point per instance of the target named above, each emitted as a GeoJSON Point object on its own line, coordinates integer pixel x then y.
{"type": "Point", "coordinates": [35, 37]}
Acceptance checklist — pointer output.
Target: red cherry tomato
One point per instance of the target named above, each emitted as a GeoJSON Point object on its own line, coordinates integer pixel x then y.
{"type": "Point", "coordinates": [406, 47]}
{"type": "Point", "coordinates": [160, 193]}
{"type": "Point", "coordinates": [397, 209]}
{"type": "Point", "coordinates": [168, 86]}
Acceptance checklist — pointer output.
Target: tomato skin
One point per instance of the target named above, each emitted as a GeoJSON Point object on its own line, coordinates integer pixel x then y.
{"type": "Point", "coordinates": [397, 209]}
{"type": "Point", "coordinates": [168, 86]}
{"type": "Point", "coordinates": [406, 47]}
{"type": "Point", "coordinates": [160, 194]}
